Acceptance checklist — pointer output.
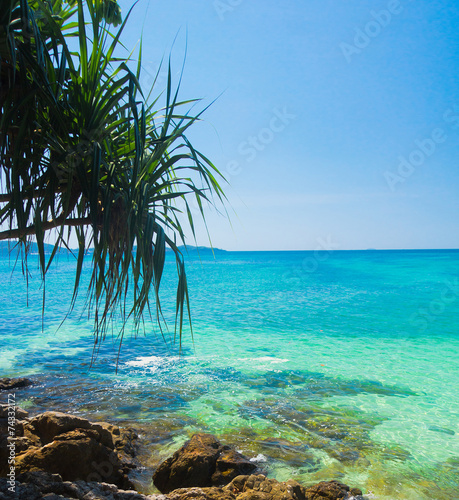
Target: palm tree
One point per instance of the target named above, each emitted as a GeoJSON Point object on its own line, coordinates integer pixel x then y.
{"type": "Point", "coordinates": [84, 151]}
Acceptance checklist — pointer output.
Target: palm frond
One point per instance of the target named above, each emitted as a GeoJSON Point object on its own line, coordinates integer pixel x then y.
{"type": "Point", "coordinates": [84, 153]}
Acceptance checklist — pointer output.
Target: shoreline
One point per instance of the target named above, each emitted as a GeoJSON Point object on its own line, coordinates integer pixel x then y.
{"type": "Point", "coordinates": [84, 455]}
{"type": "Point", "coordinates": [165, 435]}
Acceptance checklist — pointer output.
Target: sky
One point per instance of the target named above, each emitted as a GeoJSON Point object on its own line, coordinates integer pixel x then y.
{"type": "Point", "coordinates": [335, 123]}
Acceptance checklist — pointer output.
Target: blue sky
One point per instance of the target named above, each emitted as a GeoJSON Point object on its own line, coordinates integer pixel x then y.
{"type": "Point", "coordinates": [337, 123]}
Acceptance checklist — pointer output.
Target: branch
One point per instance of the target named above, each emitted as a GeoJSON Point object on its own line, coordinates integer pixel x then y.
{"type": "Point", "coordinates": [52, 224]}
{"type": "Point", "coordinates": [6, 198]}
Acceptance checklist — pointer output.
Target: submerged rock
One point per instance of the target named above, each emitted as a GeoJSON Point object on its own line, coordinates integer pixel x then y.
{"type": "Point", "coordinates": [343, 433]}
{"type": "Point", "coordinates": [443, 430]}
{"type": "Point", "coordinates": [331, 490]}
{"type": "Point", "coordinates": [201, 462]}
{"type": "Point", "coordinates": [7, 384]}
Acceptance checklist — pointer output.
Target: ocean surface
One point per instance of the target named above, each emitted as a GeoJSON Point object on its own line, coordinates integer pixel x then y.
{"type": "Point", "coordinates": [317, 365]}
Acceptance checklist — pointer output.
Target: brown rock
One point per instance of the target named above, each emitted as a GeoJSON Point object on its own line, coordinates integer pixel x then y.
{"type": "Point", "coordinates": [75, 455]}
{"type": "Point", "coordinates": [201, 462]}
{"type": "Point", "coordinates": [331, 490]}
{"type": "Point", "coordinates": [51, 423]}
{"type": "Point", "coordinates": [38, 485]}
{"type": "Point", "coordinates": [192, 465]}
{"type": "Point", "coordinates": [230, 464]}
{"type": "Point", "coordinates": [7, 411]}
{"type": "Point", "coordinates": [72, 447]}
{"type": "Point", "coordinates": [213, 493]}
{"type": "Point", "coordinates": [259, 487]}
{"type": "Point", "coordinates": [7, 384]}
{"type": "Point", "coordinates": [11, 432]}
{"type": "Point", "coordinates": [62, 456]}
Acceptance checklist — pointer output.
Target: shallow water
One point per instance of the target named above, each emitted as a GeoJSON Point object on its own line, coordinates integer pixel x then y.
{"type": "Point", "coordinates": [338, 365]}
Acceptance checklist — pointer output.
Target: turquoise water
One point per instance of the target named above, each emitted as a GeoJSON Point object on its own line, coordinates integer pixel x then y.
{"type": "Point", "coordinates": [340, 365]}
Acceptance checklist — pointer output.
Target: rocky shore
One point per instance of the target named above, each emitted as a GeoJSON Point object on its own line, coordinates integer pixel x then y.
{"type": "Point", "coordinates": [43, 485]}
{"type": "Point", "coordinates": [60, 456]}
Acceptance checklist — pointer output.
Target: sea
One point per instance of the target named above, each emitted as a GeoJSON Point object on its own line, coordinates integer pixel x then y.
{"type": "Point", "coordinates": [316, 365]}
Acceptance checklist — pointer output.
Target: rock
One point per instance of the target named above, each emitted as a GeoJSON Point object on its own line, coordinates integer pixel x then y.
{"type": "Point", "coordinates": [7, 411]}
{"type": "Point", "coordinates": [201, 462]}
{"type": "Point", "coordinates": [38, 485]}
{"type": "Point", "coordinates": [331, 490]}
{"type": "Point", "coordinates": [231, 464]}
{"type": "Point", "coordinates": [61, 456]}
{"type": "Point", "coordinates": [259, 487]}
{"type": "Point", "coordinates": [213, 493]}
{"type": "Point", "coordinates": [76, 455]}
{"type": "Point", "coordinates": [7, 384]}
{"type": "Point", "coordinates": [72, 447]}
{"type": "Point", "coordinates": [52, 423]}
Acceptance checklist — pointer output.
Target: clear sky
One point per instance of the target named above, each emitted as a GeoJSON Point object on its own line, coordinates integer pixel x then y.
{"type": "Point", "coordinates": [338, 125]}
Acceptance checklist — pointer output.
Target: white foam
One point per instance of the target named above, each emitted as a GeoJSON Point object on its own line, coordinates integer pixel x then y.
{"type": "Point", "coordinates": [272, 360]}
{"type": "Point", "coordinates": [151, 362]}
{"type": "Point", "coordinates": [145, 361]}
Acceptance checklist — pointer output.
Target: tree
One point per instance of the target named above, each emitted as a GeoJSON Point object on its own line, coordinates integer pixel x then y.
{"type": "Point", "coordinates": [85, 152]}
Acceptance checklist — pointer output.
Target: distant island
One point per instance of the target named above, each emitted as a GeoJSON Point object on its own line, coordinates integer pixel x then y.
{"type": "Point", "coordinates": [200, 249]}
{"type": "Point", "coordinates": [10, 248]}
